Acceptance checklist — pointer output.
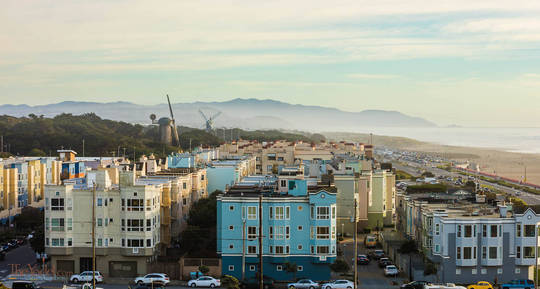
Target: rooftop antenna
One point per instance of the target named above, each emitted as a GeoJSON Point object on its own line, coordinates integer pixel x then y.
{"type": "Point", "coordinates": [173, 123]}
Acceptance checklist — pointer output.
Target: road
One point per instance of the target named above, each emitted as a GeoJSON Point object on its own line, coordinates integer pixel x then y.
{"type": "Point", "coordinates": [529, 198]}
{"type": "Point", "coordinates": [23, 255]}
{"type": "Point", "coordinates": [369, 276]}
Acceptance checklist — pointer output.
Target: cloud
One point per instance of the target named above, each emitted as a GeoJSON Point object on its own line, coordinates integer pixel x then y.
{"type": "Point", "coordinates": [372, 76]}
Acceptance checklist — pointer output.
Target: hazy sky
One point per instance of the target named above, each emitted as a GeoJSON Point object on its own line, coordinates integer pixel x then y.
{"type": "Point", "coordinates": [468, 62]}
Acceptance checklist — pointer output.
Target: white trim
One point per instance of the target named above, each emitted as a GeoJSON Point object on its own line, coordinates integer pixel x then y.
{"type": "Point", "coordinates": [282, 255]}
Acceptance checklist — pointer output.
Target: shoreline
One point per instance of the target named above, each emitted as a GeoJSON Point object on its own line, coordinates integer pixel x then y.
{"type": "Point", "coordinates": [493, 161]}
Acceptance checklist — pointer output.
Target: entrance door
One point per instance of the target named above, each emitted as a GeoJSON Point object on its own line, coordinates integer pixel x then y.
{"type": "Point", "coordinates": [85, 265]}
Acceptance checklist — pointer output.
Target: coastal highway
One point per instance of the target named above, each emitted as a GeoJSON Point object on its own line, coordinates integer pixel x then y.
{"type": "Point", "coordinates": [413, 168]}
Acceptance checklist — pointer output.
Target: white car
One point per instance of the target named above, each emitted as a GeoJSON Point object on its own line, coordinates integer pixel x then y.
{"type": "Point", "coordinates": [204, 281]}
{"type": "Point", "coordinates": [391, 270]}
{"type": "Point", "coordinates": [338, 284]}
{"type": "Point", "coordinates": [303, 284]}
{"type": "Point", "coordinates": [153, 278]}
{"type": "Point", "coordinates": [86, 276]}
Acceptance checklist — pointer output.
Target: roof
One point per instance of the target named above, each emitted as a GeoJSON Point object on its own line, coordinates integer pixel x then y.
{"type": "Point", "coordinates": [66, 151]}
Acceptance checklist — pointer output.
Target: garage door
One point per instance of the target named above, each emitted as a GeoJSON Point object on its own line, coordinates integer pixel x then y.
{"type": "Point", "coordinates": [65, 266]}
{"type": "Point", "coordinates": [126, 269]}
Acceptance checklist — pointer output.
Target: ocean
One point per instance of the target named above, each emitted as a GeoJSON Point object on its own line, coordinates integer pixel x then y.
{"type": "Point", "coordinates": [524, 140]}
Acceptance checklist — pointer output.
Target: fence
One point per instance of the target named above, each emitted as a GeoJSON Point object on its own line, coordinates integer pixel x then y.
{"type": "Point", "coordinates": [188, 265]}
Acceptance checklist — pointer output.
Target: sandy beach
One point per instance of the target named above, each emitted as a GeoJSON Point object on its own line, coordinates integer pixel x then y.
{"type": "Point", "coordinates": [507, 164]}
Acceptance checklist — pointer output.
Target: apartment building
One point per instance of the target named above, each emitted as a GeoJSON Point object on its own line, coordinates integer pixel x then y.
{"type": "Point", "coordinates": [127, 225]}
{"type": "Point", "coordinates": [298, 224]}
{"type": "Point", "coordinates": [227, 172]}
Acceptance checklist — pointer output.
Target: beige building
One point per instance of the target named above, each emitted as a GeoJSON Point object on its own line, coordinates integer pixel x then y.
{"type": "Point", "coordinates": [127, 225]}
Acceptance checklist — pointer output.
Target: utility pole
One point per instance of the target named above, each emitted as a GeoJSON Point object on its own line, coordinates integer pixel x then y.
{"type": "Point", "coordinates": [93, 236]}
{"type": "Point", "coordinates": [355, 246]}
{"type": "Point", "coordinates": [2, 143]}
{"type": "Point", "coordinates": [243, 249]}
{"type": "Point", "coordinates": [261, 283]}
{"type": "Point", "coordinates": [83, 147]}
{"type": "Point", "coordinates": [536, 256]}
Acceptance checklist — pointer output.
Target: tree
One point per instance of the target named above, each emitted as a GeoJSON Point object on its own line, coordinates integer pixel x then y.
{"type": "Point", "coordinates": [35, 152]}
{"type": "Point", "coordinates": [204, 269]}
{"type": "Point", "coordinates": [230, 282]}
{"type": "Point", "coordinates": [428, 175]}
{"type": "Point", "coordinates": [291, 268]}
{"type": "Point", "coordinates": [408, 247]}
{"type": "Point", "coordinates": [340, 266]}
{"type": "Point", "coordinates": [38, 241]}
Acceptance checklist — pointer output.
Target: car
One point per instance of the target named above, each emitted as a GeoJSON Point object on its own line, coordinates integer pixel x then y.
{"type": "Point", "coordinates": [443, 286]}
{"type": "Point", "coordinates": [370, 241]}
{"type": "Point", "coordinates": [24, 285]}
{"type": "Point", "coordinates": [153, 278]}
{"type": "Point", "coordinates": [303, 284]}
{"type": "Point", "coordinates": [414, 285]}
{"type": "Point", "coordinates": [86, 276]}
{"type": "Point", "coordinates": [338, 284]}
{"type": "Point", "coordinates": [20, 242]}
{"type": "Point", "coordinates": [519, 283]}
{"type": "Point", "coordinates": [253, 283]}
{"type": "Point", "coordinates": [377, 254]}
{"type": "Point", "coordinates": [362, 260]}
{"type": "Point", "coordinates": [480, 285]}
{"type": "Point", "coordinates": [383, 262]}
{"type": "Point", "coordinates": [6, 247]}
{"type": "Point", "coordinates": [204, 281]}
{"type": "Point", "coordinates": [391, 270]}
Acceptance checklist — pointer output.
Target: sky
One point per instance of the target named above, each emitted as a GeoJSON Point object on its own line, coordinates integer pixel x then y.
{"type": "Point", "coordinates": [470, 63]}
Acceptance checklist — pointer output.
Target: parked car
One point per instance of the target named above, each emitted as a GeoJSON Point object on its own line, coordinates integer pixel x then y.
{"type": "Point", "coordinates": [86, 276]}
{"type": "Point", "coordinates": [338, 284]}
{"type": "Point", "coordinates": [204, 281]}
{"type": "Point", "coordinates": [24, 285]}
{"type": "Point", "coordinates": [303, 284]}
{"type": "Point", "coordinates": [480, 285]}
{"type": "Point", "coordinates": [414, 285]}
{"type": "Point", "coordinates": [153, 278]}
{"type": "Point", "coordinates": [443, 286]}
{"type": "Point", "coordinates": [253, 283]}
{"type": "Point", "coordinates": [521, 283]}
{"type": "Point", "coordinates": [20, 242]}
{"type": "Point", "coordinates": [391, 270]}
{"type": "Point", "coordinates": [383, 262]}
{"type": "Point", "coordinates": [377, 254]}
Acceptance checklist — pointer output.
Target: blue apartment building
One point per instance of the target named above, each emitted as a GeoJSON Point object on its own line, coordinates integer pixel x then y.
{"type": "Point", "coordinates": [299, 226]}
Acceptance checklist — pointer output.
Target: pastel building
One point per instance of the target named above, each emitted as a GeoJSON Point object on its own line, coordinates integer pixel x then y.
{"type": "Point", "coordinates": [298, 224]}
{"type": "Point", "coordinates": [224, 173]}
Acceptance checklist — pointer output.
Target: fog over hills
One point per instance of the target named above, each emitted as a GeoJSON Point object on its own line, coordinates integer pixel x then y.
{"type": "Point", "coordinates": [242, 113]}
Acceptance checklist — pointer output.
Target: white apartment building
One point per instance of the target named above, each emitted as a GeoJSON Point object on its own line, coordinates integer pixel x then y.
{"type": "Point", "coordinates": [127, 225]}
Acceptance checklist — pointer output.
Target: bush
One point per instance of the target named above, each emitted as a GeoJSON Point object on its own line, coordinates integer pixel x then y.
{"type": "Point", "coordinates": [340, 266]}
{"type": "Point", "coordinates": [230, 282]}
{"type": "Point", "coordinates": [204, 269]}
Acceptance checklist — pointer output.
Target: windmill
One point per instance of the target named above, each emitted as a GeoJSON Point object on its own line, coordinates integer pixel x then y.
{"type": "Point", "coordinates": [209, 121]}
{"type": "Point", "coordinates": [167, 127]}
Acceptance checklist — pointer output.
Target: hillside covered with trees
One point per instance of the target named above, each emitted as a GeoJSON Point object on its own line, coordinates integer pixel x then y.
{"type": "Point", "coordinates": [40, 136]}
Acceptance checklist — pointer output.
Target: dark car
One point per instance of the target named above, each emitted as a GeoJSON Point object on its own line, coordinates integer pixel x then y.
{"type": "Point", "coordinates": [20, 242]}
{"type": "Point", "coordinates": [24, 285]}
{"type": "Point", "coordinates": [253, 283]}
{"type": "Point", "coordinates": [376, 254]}
{"type": "Point", "coordinates": [362, 260]}
{"type": "Point", "coordinates": [414, 285]}
{"type": "Point", "coordinates": [383, 262]}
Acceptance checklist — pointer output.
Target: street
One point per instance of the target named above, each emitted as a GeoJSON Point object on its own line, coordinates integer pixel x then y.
{"type": "Point", "coordinates": [23, 255]}
{"type": "Point", "coordinates": [369, 276]}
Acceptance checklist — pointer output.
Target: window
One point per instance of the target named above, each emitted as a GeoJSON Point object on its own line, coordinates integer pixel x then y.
{"type": "Point", "coordinates": [252, 213]}
{"type": "Point", "coordinates": [300, 247]}
{"type": "Point", "coordinates": [437, 248]}
{"type": "Point", "coordinates": [467, 253]}
{"type": "Point", "coordinates": [333, 232]}
{"type": "Point", "coordinates": [300, 208]}
{"type": "Point", "coordinates": [283, 183]}
{"type": "Point", "coordinates": [493, 231]}
{"type": "Point", "coordinates": [333, 212]}
{"type": "Point", "coordinates": [279, 232]}
{"type": "Point", "coordinates": [468, 231]}
{"type": "Point", "coordinates": [271, 230]}
{"type": "Point", "coordinates": [280, 250]}
{"type": "Point", "coordinates": [437, 228]}
{"type": "Point", "coordinates": [483, 271]}
{"type": "Point", "coordinates": [252, 233]}
{"type": "Point", "coordinates": [518, 252]}
{"type": "Point", "coordinates": [323, 249]}
{"type": "Point", "coordinates": [279, 213]}
{"type": "Point", "coordinates": [69, 204]}
{"type": "Point", "coordinates": [474, 253]}
{"type": "Point", "coordinates": [484, 230]}
{"type": "Point", "coordinates": [135, 204]}
{"type": "Point", "coordinates": [300, 268]}
{"type": "Point", "coordinates": [135, 225]}
{"type": "Point", "coordinates": [57, 204]}
{"type": "Point", "coordinates": [252, 249]}
{"type": "Point", "coordinates": [99, 222]}
{"type": "Point", "coordinates": [70, 224]}
{"type": "Point", "coordinates": [287, 232]}
{"type": "Point", "coordinates": [458, 271]}
{"type": "Point", "coordinates": [135, 243]}
{"type": "Point", "coordinates": [528, 252]}
{"type": "Point", "coordinates": [271, 249]}
{"type": "Point", "coordinates": [493, 252]}
{"type": "Point", "coordinates": [148, 242]}
{"type": "Point", "coordinates": [518, 271]}
{"type": "Point", "coordinates": [300, 228]}
{"type": "Point", "coordinates": [458, 253]}
{"type": "Point", "coordinates": [231, 228]}
{"type": "Point", "coordinates": [484, 253]}
{"type": "Point", "coordinates": [323, 232]}
{"type": "Point", "coordinates": [231, 208]}
{"type": "Point", "coordinates": [323, 213]}
{"type": "Point", "coordinates": [231, 246]}
{"type": "Point", "coordinates": [99, 202]}
{"type": "Point", "coordinates": [231, 267]}
{"type": "Point", "coordinates": [279, 268]}
{"type": "Point", "coordinates": [499, 270]}
{"type": "Point", "coordinates": [518, 230]}
{"type": "Point", "coordinates": [287, 213]}
{"type": "Point", "coordinates": [529, 230]}
{"type": "Point", "coordinates": [459, 231]}
{"type": "Point", "coordinates": [70, 242]}
{"type": "Point", "coordinates": [57, 224]}
{"type": "Point", "coordinates": [474, 271]}
{"type": "Point", "coordinates": [148, 224]}
{"type": "Point", "coordinates": [100, 242]}
{"type": "Point", "coordinates": [251, 267]}
{"type": "Point", "coordinates": [57, 242]}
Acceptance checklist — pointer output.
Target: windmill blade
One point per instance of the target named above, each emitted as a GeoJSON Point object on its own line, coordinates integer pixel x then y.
{"type": "Point", "coordinates": [216, 115]}
{"type": "Point", "coordinates": [170, 108]}
{"type": "Point", "coordinates": [204, 116]}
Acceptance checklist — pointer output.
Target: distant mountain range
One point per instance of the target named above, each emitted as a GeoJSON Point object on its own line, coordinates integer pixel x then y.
{"type": "Point", "coordinates": [242, 113]}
